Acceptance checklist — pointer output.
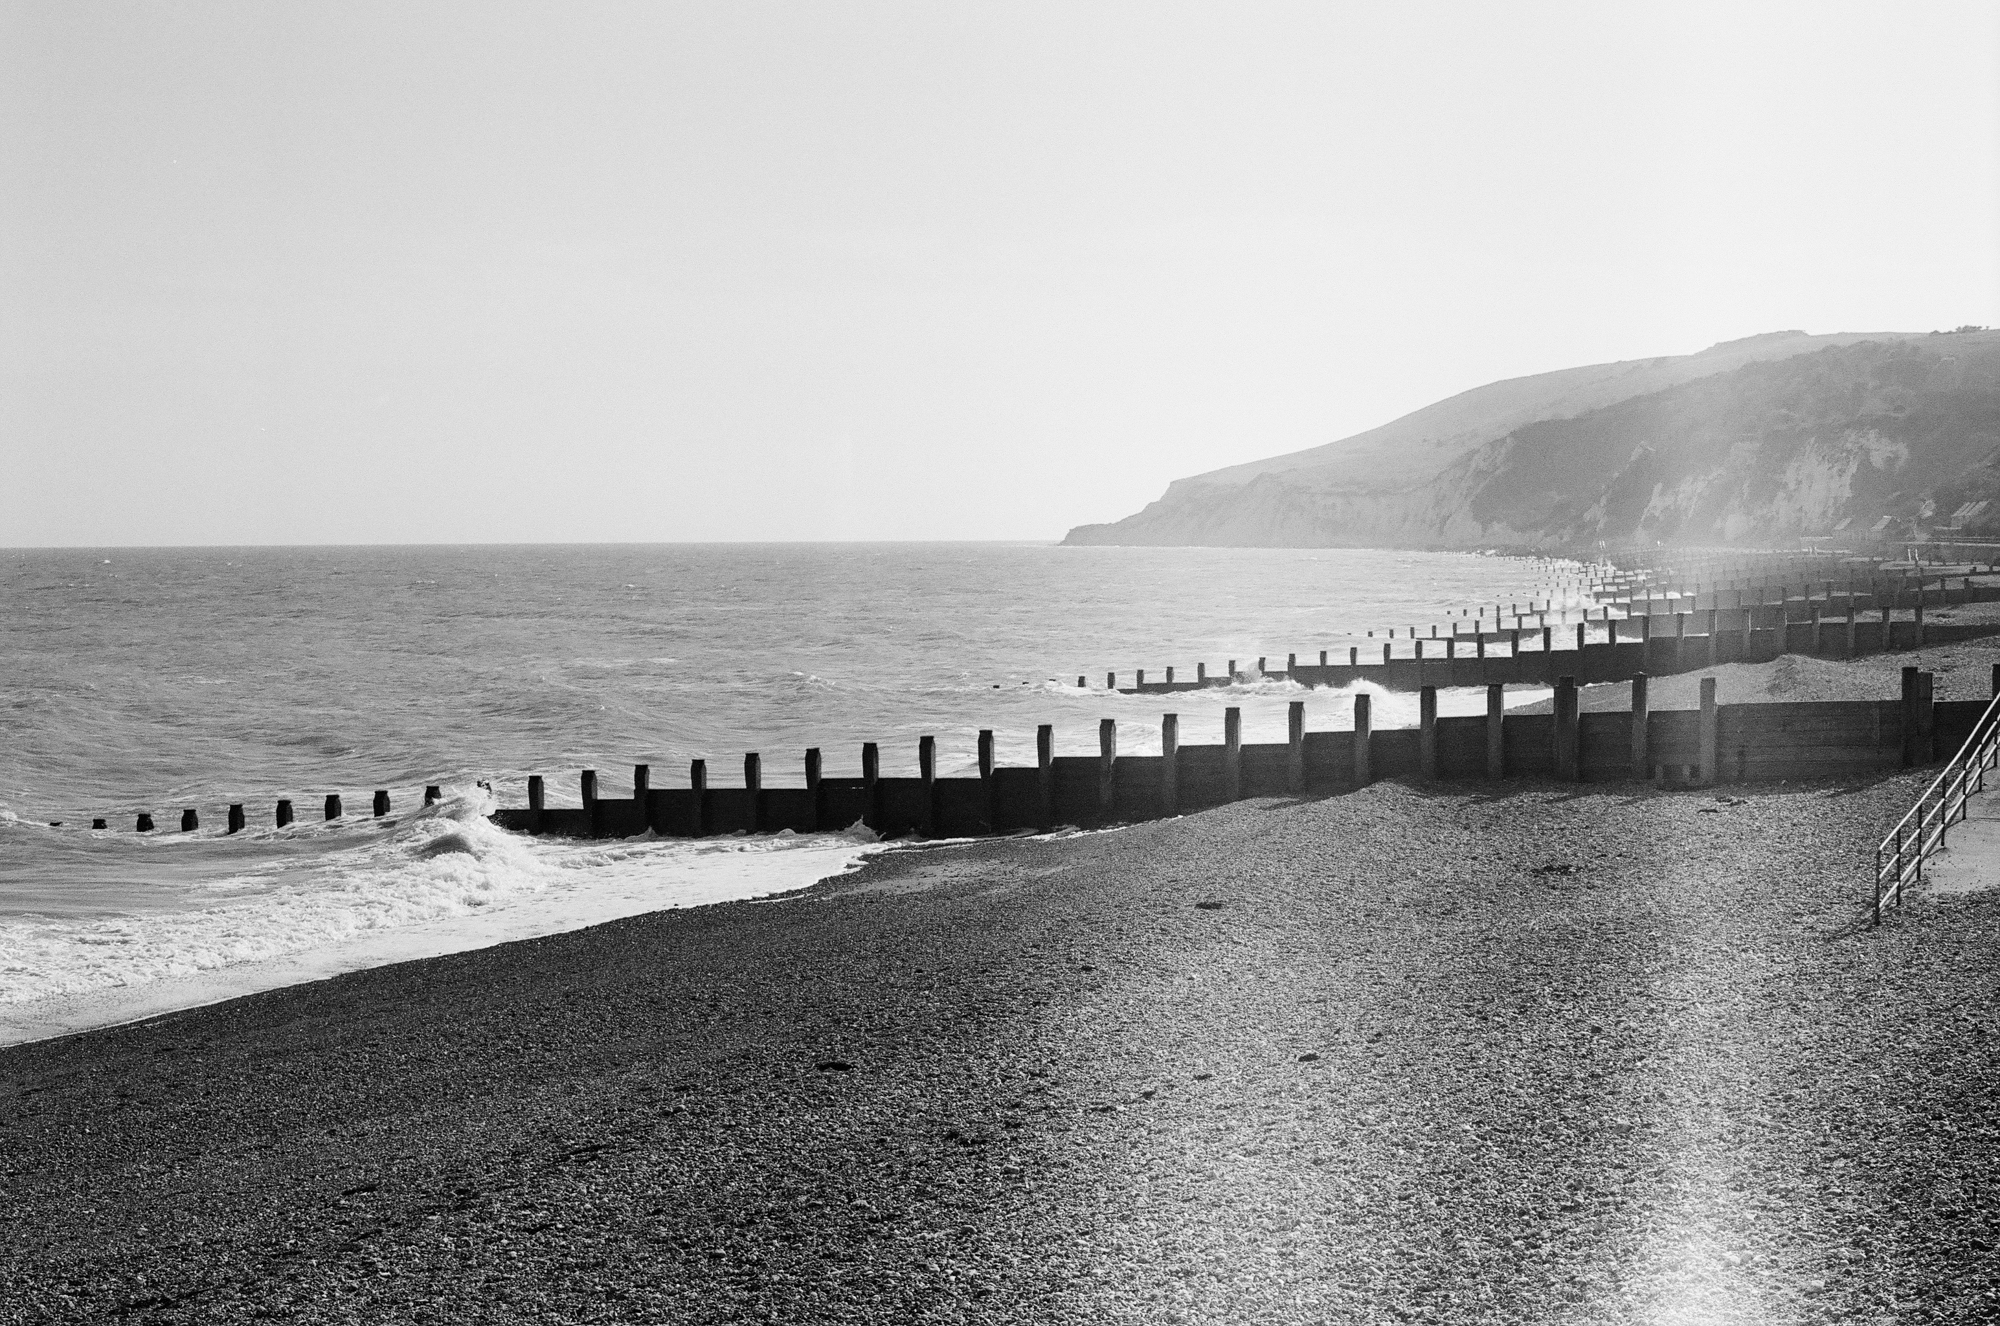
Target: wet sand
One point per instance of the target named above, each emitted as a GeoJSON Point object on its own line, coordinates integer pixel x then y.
{"type": "Point", "coordinates": [1534, 1053]}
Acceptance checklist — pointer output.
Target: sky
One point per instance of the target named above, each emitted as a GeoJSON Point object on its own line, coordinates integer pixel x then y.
{"type": "Point", "coordinates": [421, 272]}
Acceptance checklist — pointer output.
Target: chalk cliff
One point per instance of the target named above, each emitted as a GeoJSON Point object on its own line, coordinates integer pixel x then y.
{"type": "Point", "coordinates": [1770, 437]}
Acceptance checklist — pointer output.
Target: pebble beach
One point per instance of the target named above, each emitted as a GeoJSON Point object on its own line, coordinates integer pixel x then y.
{"type": "Point", "coordinates": [1534, 1053]}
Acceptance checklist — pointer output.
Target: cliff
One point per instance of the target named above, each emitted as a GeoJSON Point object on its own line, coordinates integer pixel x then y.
{"type": "Point", "coordinates": [1770, 437]}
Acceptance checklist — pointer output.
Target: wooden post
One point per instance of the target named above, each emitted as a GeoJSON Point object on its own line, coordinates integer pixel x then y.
{"type": "Point", "coordinates": [333, 805]}
{"type": "Point", "coordinates": [871, 784]}
{"type": "Point", "coordinates": [236, 817]}
{"type": "Point", "coordinates": [1170, 676]}
{"type": "Point", "coordinates": [1909, 715]}
{"type": "Point", "coordinates": [986, 785]}
{"type": "Point", "coordinates": [698, 785]}
{"type": "Point", "coordinates": [1295, 738]}
{"type": "Point", "coordinates": [1354, 656]}
{"type": "Point", "coordinates": [1920, 618]}
{"type": "Point", "coordinates": [813, 786]}
{"type": "Point", "coordinates": [1107, 770]}
{"type": "Point", "coordinates": [1709, 722]}
{"type": "Point", "coordinates": [1232, 754]}
{"type": "Point", "coordinates": [144, 824]}
{"type": "Point", "coordinates": [1496, 717]}
{"type": "Point", "coordinates": [284, 814]}
{"type": "Point", "coordinates": [1385, 653]}
{"type": "Point", "coordinates": [589, 784]}
{"type": "Point", "coordinates": [381, 806]}
{"type": "Point", "coordinates": [100, 824]}
{"type": "Point", "coordinates": [753, 782]}
{"type": "Point", "coordinates": [1201, 674]}
{"type": "Point", "coordinates": [1364, 767]}
{"type": "Point", "coordinates": [1260, 665]}
{"type": "Point", "coordinates": [1110, 681]}
{"type": "Point", "coordinates": [1291, 664]}
{"type": "Point", "coordinates": [1141, 676]}
{"type": "Point", "coordinates": [1641, 736]}
{"type": "Point", "coordinates": [1083, 683]}
{"type": "Point", "coordinates": [927, 773]}
{"type": "Point", "coordinates": [1045, 754]}
{"type": "Point", "coordinates": [1170, 764]}
{"type": "Point", "coordinates": [1232, 670]}
{"type": "Point", "coordinates": [1322, 658]}
{"type": "Point", "coordinates": [1451, 647]}
{"type": "Point", "coordinates": [1565, 729]}
{"type": "Point", "coordinates": [432, 794]}
{"type": "Point", "coordinates": [1926, 720]}
{"type": "Point", "coordinates": [190, 821]}
{"type": "Point", "coordinates": [535, 803]}
{"type": "Point", "coordinates": [1427, 733]}
{"type": "Point", "coordinates": [1711, 637]}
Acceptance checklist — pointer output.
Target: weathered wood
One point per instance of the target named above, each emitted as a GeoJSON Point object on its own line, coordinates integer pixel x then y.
{"type": "Point", "coordinates": [1708, 730]}
{"type": "Point", "coordinates": [871, 784]}
{"type": "Point", "coordinates": [535, 803]}
{"type": "Point", "coordinates": [1496, 716]}
{"type": "Point", "coordinates": [1926, 720]}
{"type": "Point", "coordinates": [1045, 757]}
{"type": "Point", "coordinates": [100, 824]}
{"type": "Point", "coordinates": [1909, 715]}
{"type": "Point", "coordinates": [1107, 769]}
{"type": "Point", "coordinates": [333, 805]}
{"type": "Point", "coordinates": [813, 779]}
{"type": "Point", "coordinates": [283, 815]}
{"type": "Point", "coordinates": [1641, 756]}
{"type": "Point", "coordinates": [1232, 753]}
{"type": "Point", "coordinates": [698, 794]}
{"type": "Point", "coordinates": [433, 794]}
{"type": "Point", "coordinates": [381, 806]}
{"type": "Point", "coordinates": [1295, 737]}
{"type": "Point", "coordinates": [236, 817]}
{"type": "Point", "coordinates": [1427, 722]}
{"type": "Point", "coordinates": [1364, 772]}
{"type": "Point", "coordinates": [753, 783]}
{"type": "Point", "coordinates": [1565, 733]}
{"type": "Point", "coordinates": [144, 824]}
{"type": "Point", "coordinates": [190, 821]}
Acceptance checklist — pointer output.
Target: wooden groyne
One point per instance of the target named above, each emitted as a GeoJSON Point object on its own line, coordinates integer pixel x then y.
{"type": "Point", "coordinates": [1671, 619]}
{"type": "Point", "coordinates": [1714, 743]}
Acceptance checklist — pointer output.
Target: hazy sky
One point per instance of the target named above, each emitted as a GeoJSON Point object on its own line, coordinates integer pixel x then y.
{"type": "Point", "coordinates": [412, 272]}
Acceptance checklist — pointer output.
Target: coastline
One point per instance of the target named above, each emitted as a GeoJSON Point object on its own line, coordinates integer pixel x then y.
{"type": "Point", "coordinates": [1592, 1052]}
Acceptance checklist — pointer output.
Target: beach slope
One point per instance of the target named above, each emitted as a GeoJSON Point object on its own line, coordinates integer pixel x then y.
{"type": "Point", "coordinates": [1529, 1053]}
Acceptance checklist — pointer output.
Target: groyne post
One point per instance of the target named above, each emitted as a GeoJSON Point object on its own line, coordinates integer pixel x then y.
{"type": "Point", "coordinates": [986, 776]}
{"type": "Point", "coordinates": [1232, 753]}
{"type": "Point", "coordinates": [1926, 720]}
{"type": "Point", "coordinates": [1045, 769]}
{"type": "Point", "coordinates": [1170, 762]}
{"type": "Point", "coordinates": [381, 802]}
{"type": "Point", "coordinates": [1364, 769]}
{"type": "Point", "coordinates": [698, 784]}
{"type": "Point", "coordinates": [1139, 679]}
{"type": "Point", "coordinates": [819, 793]}
{"type": "Point", "coordinates": [1496, 717]}
{"type": "Point", "coordinates": [1354, 656]}
{"type": "Point", "coordinates": [1708, 730]}
{"type": "Point", "coordinates": [1641, 715]}
{"type": "Point", "coordinates": [1919, 627]}
{"type": "Point", "coordinates": [1909, 715]}
{"type": "Point", "coordinates": [927, 775]}
{"type": "Point", "coordinates": [144, 824]}
{"type": "Point", "coordinates": [100, 824]}
{"type": "Point", "coordinates": [284, 813]}
{"type": "Point", "coordinates": [236, 817]}
{"type": "Point", "coordinates": [333, 805]}
{"type": "Point", "coordinates": [1201, 674]}
{"type": "Point", "coordinates": [1170, 676]}
{"type": "Point", "coordinates": [535, 803]}
{"type": "Point", "coordinates": [1322, 657]}
{"type": "Point", "coordinates": [432, 794]}
{"type": "Point", "coordinates": [588, 785]}
{"type": "Point", "coordinates": [642, 787]}
{"type": "Point", "coordinates": [871, 784]}
{"type": "Point", "coordinates": [1427, 732]}
{"type": "Point", "coordinates": [190, 821]}
{"type": "Point", "coordinates": [753, 782]}
{"type": "Point", "coordinates": [1711, 638]}
{"type": "Point", "coordinates": [1295, 741]}
{"type": "Point", "coordinates": [1110, 681]}
{"type": "Point", "coordinates": [1565, 729]}
{"type": "Point", "coordinates": [1107, 769]}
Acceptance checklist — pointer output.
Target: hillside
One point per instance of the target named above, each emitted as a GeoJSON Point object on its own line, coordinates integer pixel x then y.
{"type": "Point", "coordinates": [1772, 436]}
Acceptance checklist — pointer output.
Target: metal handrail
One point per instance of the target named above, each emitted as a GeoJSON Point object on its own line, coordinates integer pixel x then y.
{"type": "Point", "coordinates": [1900, 857]}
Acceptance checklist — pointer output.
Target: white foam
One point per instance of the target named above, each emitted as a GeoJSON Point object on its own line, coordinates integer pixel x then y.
{"type": "Point", "coordinates": [442, 881]}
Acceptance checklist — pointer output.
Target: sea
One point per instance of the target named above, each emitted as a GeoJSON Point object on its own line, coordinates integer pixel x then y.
{"type": "Point", "coordinates": [162, 680]}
